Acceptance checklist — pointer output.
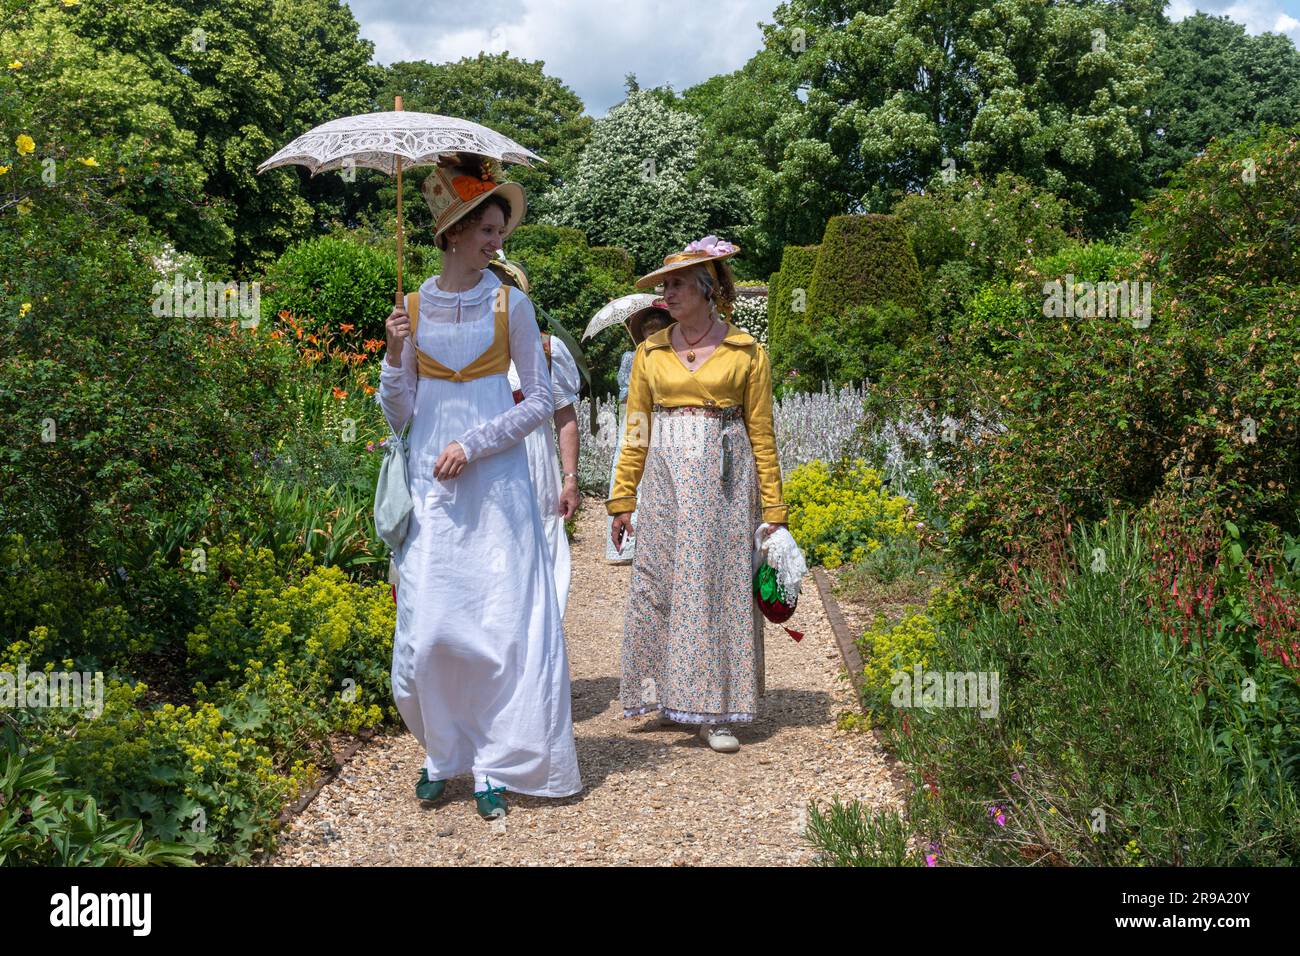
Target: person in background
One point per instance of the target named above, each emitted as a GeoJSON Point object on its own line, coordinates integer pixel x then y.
{"type": "Point", "coordinates": [555, 481]}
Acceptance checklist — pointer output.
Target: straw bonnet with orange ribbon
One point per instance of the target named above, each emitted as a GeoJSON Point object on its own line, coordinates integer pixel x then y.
{"type": "Point", "coordinates": [462, 183]}
{"type": "Point", "coordinates": [703, 252]}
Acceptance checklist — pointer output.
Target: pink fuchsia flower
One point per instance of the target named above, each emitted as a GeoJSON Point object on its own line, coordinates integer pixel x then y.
{"type": "Point", "coordinates": [712, 245]}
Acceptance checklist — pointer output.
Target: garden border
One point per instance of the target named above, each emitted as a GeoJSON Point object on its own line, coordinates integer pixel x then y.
{"type": "Point", "coordinates": [840, 628]}
{"type": "Point", "coordinates": [288, 813]}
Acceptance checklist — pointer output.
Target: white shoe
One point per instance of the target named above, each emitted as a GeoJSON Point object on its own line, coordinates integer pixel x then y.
{"type": "Point", "coordinates": [720, 738]}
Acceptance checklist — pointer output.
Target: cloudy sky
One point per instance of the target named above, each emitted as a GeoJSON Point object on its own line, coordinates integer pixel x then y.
{"type": "Point", "coordinates": [592, 44]}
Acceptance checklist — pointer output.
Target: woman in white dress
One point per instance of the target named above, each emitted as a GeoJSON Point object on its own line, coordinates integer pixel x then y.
{"type": "Point", "coordinates": [480, 674]}
{"type": "Point", "coordinates": [555, 482]}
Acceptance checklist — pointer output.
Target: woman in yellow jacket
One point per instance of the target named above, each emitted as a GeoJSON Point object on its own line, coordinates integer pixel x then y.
{"type": "Point", "coordinates": [700, 443]}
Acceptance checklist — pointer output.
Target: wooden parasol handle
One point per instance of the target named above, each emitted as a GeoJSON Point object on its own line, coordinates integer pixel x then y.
{"type": "Point", "coordinates": [397, 105]}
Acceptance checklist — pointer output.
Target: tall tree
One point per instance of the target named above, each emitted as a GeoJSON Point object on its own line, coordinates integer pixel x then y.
{"type": "Point", "coordinates": [1217, 80]}
{"type": "Point", "coordinates": [636, 184]}
{"type": "Point", "coordinates": [243, 83]}
{"type": "Point", "coordinates": [893, 92]}
{"type": "Point", "coordinates": [512, 96]}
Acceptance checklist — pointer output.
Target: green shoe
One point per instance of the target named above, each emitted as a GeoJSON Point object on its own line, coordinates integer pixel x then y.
{"type": "Point", "coordinates": [490, 803]}
{"type": "Point", "coordinates": [427, 789]}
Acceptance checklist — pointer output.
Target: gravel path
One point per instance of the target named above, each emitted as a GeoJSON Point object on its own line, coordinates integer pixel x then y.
{"type": "Point", "coordinates": [652, 797]}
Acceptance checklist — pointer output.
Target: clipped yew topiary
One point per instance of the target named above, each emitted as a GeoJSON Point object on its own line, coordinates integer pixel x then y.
{"type": "Point", "coordinates": [789, 296]}
{"type": "Point", "coordinates": [614, 259]}
{"type": "Point", "coordinates": [864, 260]}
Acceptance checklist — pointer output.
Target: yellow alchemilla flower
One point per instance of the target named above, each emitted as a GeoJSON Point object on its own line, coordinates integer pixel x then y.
{"type": "Point", "coordinates": [16, 65]}
{"type": "Point", "coordinates": [25, 206]}
{"type": "Point", "coordinates": [71, 3]}
{"type": "Point", "coordinates": [25, 144]}
{"type": "Point", "coordinates": [88, 161]}
{"type": "Point", "coordinates": [24, 308]}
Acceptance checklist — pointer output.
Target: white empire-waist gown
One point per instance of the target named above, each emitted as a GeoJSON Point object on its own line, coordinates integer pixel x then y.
{"type": "Point", "coordinates": [480, 674]}
{"type": "Point", "coordinates": [545, 466]}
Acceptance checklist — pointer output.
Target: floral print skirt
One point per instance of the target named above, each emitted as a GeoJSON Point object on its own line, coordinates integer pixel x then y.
{"type": "Point", "coordinates": [693, 633]}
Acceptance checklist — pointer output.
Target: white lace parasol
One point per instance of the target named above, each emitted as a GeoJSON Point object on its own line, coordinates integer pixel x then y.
{"type": "Point", "coordinates": [612, 313]}
{"type": "Point", "coordinates": [376, 140]}
{"type": "Point", "coordinates": [391, 142]}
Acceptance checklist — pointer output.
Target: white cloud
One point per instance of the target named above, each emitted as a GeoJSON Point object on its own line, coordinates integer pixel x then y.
{"type": "Point", "coordinates": [1258, 16]}
{"type": "Point", "coordinates": [590, 45]}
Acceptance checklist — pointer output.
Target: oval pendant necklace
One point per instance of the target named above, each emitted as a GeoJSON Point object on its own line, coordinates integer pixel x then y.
{"type": "Point", "coordinates": [690, 346]}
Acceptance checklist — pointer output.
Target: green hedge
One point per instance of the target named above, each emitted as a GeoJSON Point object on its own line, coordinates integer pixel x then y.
{"type": "Point", "coordinates": [796, 272]}
{"type": "Point", "coordinates": [865, 260]}
{"type": "Point", "coordinates": [540, 238]}
{"type": "Point", "coordinates": [615, 260]}
{"type": "Point", "coordinates": [328, 281]}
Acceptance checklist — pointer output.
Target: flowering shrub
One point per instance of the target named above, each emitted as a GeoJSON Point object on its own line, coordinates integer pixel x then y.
{"type": "Point", "coordinates": [891, 648]}
{"type": "Point", "coordinates": [840, 514]}
{"type": "Point", "coordinates": [751, 315]}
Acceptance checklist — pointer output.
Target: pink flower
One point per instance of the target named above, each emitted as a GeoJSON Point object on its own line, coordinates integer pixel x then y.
{"type": "Point", "coordinates": [712, 245]}
{"type": "Point", "coordinates": [998, 816]}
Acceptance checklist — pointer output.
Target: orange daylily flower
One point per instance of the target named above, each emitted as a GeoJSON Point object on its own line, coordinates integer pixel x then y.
{"type": "Point", "coordinates": [340, 394]}
{"type": "Point", "coordinates": [346, 327]}
{"type": "Point", "coordinates": [369, 389]}
{"type": "Point", "coordinates": [373, 345]}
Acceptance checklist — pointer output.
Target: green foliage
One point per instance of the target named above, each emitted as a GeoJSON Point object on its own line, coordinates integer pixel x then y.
{"type": "Point", "coordinates": [328, 281]}
{"type": "Point", "coordinates": [1070, 415]}
{"type": "Point", "coordinates": [1218, 80]}
{"type": "Point", "coordinates": [863, 260]}
{"type": "Point", "coordinates": [862, 303]}
{"type": "Point", "coordinates": [975, 230]}
{"type": "Point", "coordinates": [636, 184]}
{"type": "Point", "coordinates": [1113, 744]}
{"type": "Point", "coordinates": [332, 634]}
{"type": "Point", "coordinates": [615, 261]}
{"type": "Point", "coordinates": [45, 823]}
{"type": "Point", "coordinates": [118, 416]}
{"type": "Point", "coordinates": [1044, 102]}
{"type": "Point", "coordinates": [842, 513]}
{"type": "Point", "coordinates": [788, 298]}
{"type": "Point", "coordinates": [891, 648]}
{"type": "Point", "coordinates": [512, 96]}
{"type": "Point", "coordinates": [571, 282]}
{"type": "Point", "coordinates": [850, 835]}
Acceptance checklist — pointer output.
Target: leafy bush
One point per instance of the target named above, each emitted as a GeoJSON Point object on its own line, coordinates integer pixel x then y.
{"type": "Point", "coordinates": [1115, 742]}
{"type": "Point", "coordinates": [974, 230]}
{"type": "Point", "coordinates": [43, 822]}
{"type": "Point", "coordinates": [570, 281]}
{"type": "Point", "coordinates": [843, 513]}
{"type": "Point", "coordinates": [328, 281]}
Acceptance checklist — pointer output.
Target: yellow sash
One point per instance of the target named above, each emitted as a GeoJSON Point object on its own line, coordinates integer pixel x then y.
{"type": "Point", "coordinates": [494, 361]}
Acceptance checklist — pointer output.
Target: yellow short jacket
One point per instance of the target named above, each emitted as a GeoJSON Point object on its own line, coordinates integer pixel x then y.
{"type": "Point", "coordinates": [737, 373]}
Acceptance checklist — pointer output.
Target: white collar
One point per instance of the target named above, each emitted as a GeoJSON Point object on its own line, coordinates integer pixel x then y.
{"type": "Point", "coordinates": [487, 284]}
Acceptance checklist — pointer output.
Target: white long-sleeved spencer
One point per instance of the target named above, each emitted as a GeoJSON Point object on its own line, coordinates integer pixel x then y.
{"type": "Point", "coordinates": [480, 673]}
